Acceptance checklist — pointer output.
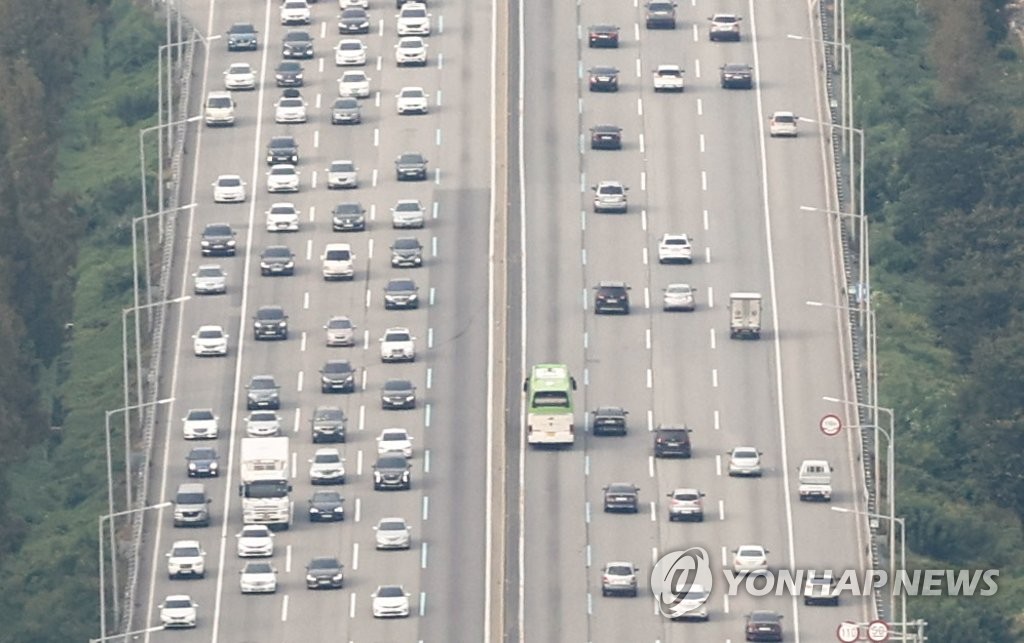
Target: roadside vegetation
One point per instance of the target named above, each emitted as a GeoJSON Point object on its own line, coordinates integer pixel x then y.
{"type": "Point", "coordinates": [939, 87]}
{"type": "Point", "coordinates": [79, 80]}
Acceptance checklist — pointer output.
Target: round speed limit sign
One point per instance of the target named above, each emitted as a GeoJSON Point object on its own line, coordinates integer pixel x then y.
{"type": "Point", "coordinates": [848, 632]}
{"type": "Point", "coordinates": [830, 425]}
{"type": "Point", "coordinates": [878, 631]}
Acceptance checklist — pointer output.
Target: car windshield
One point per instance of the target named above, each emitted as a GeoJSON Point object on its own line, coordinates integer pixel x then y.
{"type": "Point", "coordinates": [177, 603]}
{"type": "Point", "coordinates": [289, 67]}
{"type": "Point", "coordinates": [263, 416]}
{"type": "Point", "coordinates": [263, 383]}
{"type": "Point", "coordinates": [218, 101]}
{"type": "Point", "coordinates": [725, 19]}
{"type": "Point", "coordinates": [258, 568]}
{"type": "Point", "coordinates": [784, 119]}
{"type": "Point", "coordinates": [353, 13]}
{"type": "Point", "coordinates": [337, 367]}
{"type": "Point", "coordinates": [676, 241]}
{"type": "Point", "coordinates": [396, 436]}
{"type": "Point", "coordinates": [401, 285]}
{"type": "Point", "coordinates": [410, 158]}
{"type": "Point", "coordinates": [190, 552]}
{"type": "Point", "coordinates": [353, 77]}
{"type": "Point", "coordinates": [351, 45]}
{"type": "Point", "coordinates": [342, 166]}
{"type": "Point", "coordinates": [242, 29]}
{"type": "Point", "coordinates": [202, 453]}
{"type": "Point", "coordinates": [414, 12]}
{"type": "Point", "coordinates": [297, 36]}
{"type": "Point", "coordinates": [278, 251]}
{"type": "Point", "coordinates": [326, 496]}
{"type": "Point", "coordinates": [398, 385]}
{"type": "Point", "coordinates": [390, 591]}
{"type": "Point", "coordinates": [282, 171]}
{"type": "Point", "coordinates": [326, 458]}
{"type": "Point", "coordinates": [679, 290]}
{"type": "Point", "coordinates": [190, 499]}
{"type": "Point", "coordinates": [324, 563]}
{"type": "Point", "coordinates": [346, 103]}
{"type": "Point", "coordinates": [255, 532]}
{"type": "Point", "coordinates": [210, 333]}
{"type": "Point", "coordinates": [398, 337]}
{"type": "Point", "coordinates": [239, 68]}
{"type": "Point", "coordinates": [407, 206]}
{"type": "Point", "coordinates": [338, 255]}
{"type": "Point", "coordinates": [749, 552]}
{"type": "Point", "coordinates": [391, 525]}
{"type": "Point", "coordinates": [686, 495]}
{"type": "Point", "coordinates": [282, 142]}
{"type": "Point", "coordinates": [282, 209]}
{"type": "Point", "coordinates": [339, 323]}
{"type": "Point", "coordinates": [202, 414]}
{"type": "Point", "coordinates": [621, 488]}
{"type": "Point", "coordinates": [744, 454]}
{"type": "Point", "coordinates": [620, 570]}
{"type": "Point", "coordinates": [290, 102]}
{"type": "Point", "coordinates": [611, 189]}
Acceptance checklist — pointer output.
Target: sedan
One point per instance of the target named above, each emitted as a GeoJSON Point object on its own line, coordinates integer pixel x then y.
{"type": "Point", "coordinates": [763, 625]}
{"type": "Point", "coordinates": [782, 124]}
{"type": "Point", "coordinates": [349, 216]}
{"type": "Point", "coordinates": [397, 345]}
{"type": "Point", "coordinates": [340, 331]}
{"type": "Point", "coordinates": [744, 461]}
{"type": "Point", "coordinates": [737, 76]}
{"type": "Point", "coordinates": [341, 175]}
{"type": "Point", "coordinates": [324, 572]}
{"type": "Point", "coordinates": [282, 178]}
{"type": "Point", "coordinates": [413, 20]}
{"type": "Point", "coordinates": [393, 533]}
{"type": "Point", "coordinates": [750, 559]}
{"type": "Point", "coordinates": [390, 600]}
{"type": "Point", "coordinates": [675, 247]}
{"type": "Point", "coordinates": [282, 217]}
{"type": "Point", "coordinates": [406, 252]}
{"type": "Point", "coordinates": [407, 213]}
{"type": "Point", "coordinates": [326, 506]}
{"type": "Point", "coordinates": [327, 467]}
{"type": "Point", "coordinates": [209, 279]}
{"type": "Point", "coordinates": [210, 340]}
{"type": "Point", "coordinates": [604, 79]}
{"type": "Point", "coordinates": [202, 462]}
{"type": "Point", "coordinates": [350, 51]}
{"type": "Point", "coordinates": [240, 76]}
{"type": "Point", "coordinates": [411, 100]}
{"type": "Point", "coordinates": [228, 188]}
{"type": "Point", "coordinates": [679, 297]}
{"type": "Point", "coordinates": [354, 83]}
{"type": "Point", "coordinates": [297, 44]}
{"type": "Point", "coordinates": [295, 12]}
{"type": "Point", "coordinates": [262, 424]}
{"type": "Point", "coordinates": [255, 541]}
{"type": "Point", "coordinates": [288, 74]}
{"type": "Point", "coordinates": [354, 20]}
{"type": "Point", "coordinates": [277, 260]}
{"type": "Point", "coordinates": [603, 36]}
{"type": "Point", "coordinates": [401, 293]}
{"type": "Point", "coordinates": [394, 442]}
{"type": "Point", "coordinates": [622, 496]}
{"type": "Point", "coordinates": [200, 424]}
{"type": "Point", "coordinates": [337, 376]}
{"type": "Point", "coordinates": [668, 78]}
{"type": "Point", "coordinates": [411, 166]}
{"type": "Point", "coordinates": [345, 111]}
{"type": "Point", "coordinates": [411, 50]}
{"type": "Point", "coordinates": [606, 137]}
{"type": "Point", "coordinates": [258, 577]}
{"type": "Point", "coordinates": [398, 394]}
{"type": "Point", "coordinates": [290, 110]}
{"type": "Point", "coordinates": [178, 610]}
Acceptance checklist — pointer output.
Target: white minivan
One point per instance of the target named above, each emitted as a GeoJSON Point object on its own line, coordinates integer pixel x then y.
{"type": "Point", "coordinates": [338, 261]}
{"type": "Point", "coordinates": [219, 109]}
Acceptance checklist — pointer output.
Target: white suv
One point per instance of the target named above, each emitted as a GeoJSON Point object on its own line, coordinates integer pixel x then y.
{"type": "Point", "coordinates": [413, 20]}
{"type": "Point", "coordinates": [338, 261]}
{"type": "Point", "coordinates": [610, 196]}
{"type": "Point", "coordinates": [675, 247]}
{"type": "Point", "coordinates": [219, 109]}
{"type": "Point", "coordinates": [186, 558]}
{"type": "Point", "coordinates": [397, 345]}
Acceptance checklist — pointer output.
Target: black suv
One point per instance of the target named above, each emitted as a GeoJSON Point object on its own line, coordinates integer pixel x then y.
{"type": "Point", "coordinates": [608, 420]}
{"type": "Point", "coordinates": [392, 472]}
{"type": "Point", "coordinates": [324, 572]}
{"type": "Point", "coordinates": [202, 462]}
{"type": "Point", "coordinates": [672, 441]}
{"type": "Point", "coordinates": [611, 296]}
{"type": "Point", "coordinates": [622, 496]}
{"type": "Point", "coordinates": [348, 217]}
{"type": "Point", "coordinates": [270, 322]}
{"type": "Point", "coordinates": [328, 424]}
{"type": "Point", "coordinates": [604, 79]}
{"type": "Point", "coordinates": [606, 137]}
{"type": "Point", "coordinates": [288, 74]}
{"type": "Point", "coordinates": [737, 76]}
{"type": "Point", "coordinates": [297, 44]}
{"type": "Point", "coordinates": [277, 260]}
{"type": "Point", "coordinates": [406, 252]}
{"type": "Point", "coordinates": [661, 15]}
{"type": "Point", "coordinates": [217, 239]}
{"type": "Point", "coordinates": [337, 376]}
{"type": "Point", "coordinates": [242, 36]}
{"type": "Point", "coordinates": [326, 506]}
{"type": "Point", "coordinates": [282, 149]}
{"type": "Point", "coordinates": [398, 394]}
{"type": "Point", "coordinates": [411, 166]}
{"type": "Point", "coordinates": [764, 626]}
{"type": "Point", "coordinates": [263, 393]}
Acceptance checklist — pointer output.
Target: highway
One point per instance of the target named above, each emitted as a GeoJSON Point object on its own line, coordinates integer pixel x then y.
{"type": "Point", "coordinates": [444, 570]}
{"type": "Point", "coordinates": [702, 163]}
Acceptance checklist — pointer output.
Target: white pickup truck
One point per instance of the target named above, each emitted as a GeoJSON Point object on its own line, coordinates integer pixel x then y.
{"type": "Point", "coordinates": [815, 480]}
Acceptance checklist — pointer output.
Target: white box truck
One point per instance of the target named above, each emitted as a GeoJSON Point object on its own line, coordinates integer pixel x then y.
{"type": "Point", "coordinates": [265, 487]}
{"type": "Point", "coordinates": [744, 315]}
{"type": "Point", "coordinates": [815, 480]}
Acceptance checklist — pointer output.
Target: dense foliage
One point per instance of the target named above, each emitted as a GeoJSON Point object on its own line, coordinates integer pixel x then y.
{"type": "Point", "coordinates": [940, 87]}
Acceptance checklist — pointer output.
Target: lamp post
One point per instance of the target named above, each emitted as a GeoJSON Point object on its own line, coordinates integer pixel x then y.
{"type": "Point", "coordinates": [145, 253]}
{"type": "Point", "coordinates": [860, 182]}
{"type": "Point", "coordinates": [871, 341]}
{"type": "Point", "coordinates": [892, 561]}
{"type": "Point", "coordinates": [863, 267]}
{"type": "Point", "coordinates": [160, 167]}
{"type": "Point", "coordinates": [124, 636]}
{"type": "Point", "coordinates": [113, 556]}
{"type": "Point", "coordinates": [845, 80]}
{"type": "Point", "coordinates": [179, 44]}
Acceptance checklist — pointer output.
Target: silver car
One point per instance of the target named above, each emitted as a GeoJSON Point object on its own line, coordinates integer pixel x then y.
{"type": "Point", "coordinates": [340, 331]}
{"type": "Point", "coordinates": [744, 461]}
{"type": "Point", "coordinates": [679, 297]}
{"type": "Point", "coordinates": [393, 533]}
{"type": "Point", "coordinates": [262, 424]}
{"type": "Point", "coordinates": [407, 213]}
{"type": "Point", "coordinates": [258, 577]}
{"type": "Point", "coordinates": [342, 174]}
{"type": "Point", "coordinates": [210, 279]}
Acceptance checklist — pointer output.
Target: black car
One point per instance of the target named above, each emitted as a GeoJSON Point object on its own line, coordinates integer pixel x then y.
{"type": "Point", "coordinates": [411, 166]}
{"type": "Point", "coordinates": [737, 76]}
{"type": "Point", "coordinates": [242, 36]}
{"type": "Point", "coordinates": [622, 496]}
{"type": "Point", "coordinates": [328, 424]}
{"type": "Point", "coordinates": [297, 44]}
{"type": "Point", "coordinates": [277, 260]}
{"type": "Point", "coordinates": [345, 111]}
{"type": "Point", "coordinates": [202, 462]}
{"type": "Point", "coordinates": [605, 137]}
{"type": "Point", "coordinates": [406, 252]}
{"type": "Point", "coordinates": [608, 420]}
{"type": "Point", "coordinates": [604, 36]}
{"type": "Point", "coordinates": [348, 217]}
{"type": "Point", "coordinates": [672, 441]}
{"type": "Point", "coordinates": [398, 394]}
{"type": "Point", "coordinates": [611, 296]}
{"type": "Point", "coordinates": [288, 73]}
{"type": "Point", "coordinates": [401, 293]}
{"type": "Point", "coordinates": [354, 20]}
{"type": "Point", "coordinates": [392, 472]}
{"type": "Point", "coordinates": [661, 15]}
{"type": "Point", "coordinates": [763, 625]}
{"type": "Point", "coordinates": [217, 239]}
{"type": "Point", "coordinates": [604, 79]}
{"type": "Point", "coordinates": [325, 572]}
{"type": "Point", "coordinates": [270, 322]}
{"type": "Point", "coordinates": [337, 376]}
{"type": "Point", "coordinates": [326, 506]}
{"type": "Point", "coordinates": [282, 149]}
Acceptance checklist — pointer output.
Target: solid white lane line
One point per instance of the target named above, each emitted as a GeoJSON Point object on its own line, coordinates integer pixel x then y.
{"type": "Point", "coordinates": [355, 556]}
{"type": "Point", "coordinates": [423, 556]}
{"type": "Point", "coordinates": [298, 384]}
{"type": "Point", "coordinates": [716, 420]}
{"type": "Point", "coordinates": [718, 465]}
{"type": "Point", "coordinates": [302, 342]}
{"type": "Point", "coordinates": [359, 509]}
{"type": "Point", "coordinates": [284, 608]}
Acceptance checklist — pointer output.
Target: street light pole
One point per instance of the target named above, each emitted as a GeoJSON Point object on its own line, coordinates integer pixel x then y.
{"type": "Point", "coordinates": [145, 252]}
{"type": "Point", "coordinates": [113, 556]}
{"type": "Point", "coordinates": [160, 166]}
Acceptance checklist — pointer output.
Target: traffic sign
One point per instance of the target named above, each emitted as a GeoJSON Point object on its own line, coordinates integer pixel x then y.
{"type": "Point", "coordinates": [830, 425]}
{"type": "Point", "coordinates": [878, 631]}
{"type": "Point", "coordinates": [848, 632]}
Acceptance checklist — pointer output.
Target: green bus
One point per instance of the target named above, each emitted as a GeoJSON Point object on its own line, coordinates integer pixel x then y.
{"type": "Point", "coordinates": [549, 413]}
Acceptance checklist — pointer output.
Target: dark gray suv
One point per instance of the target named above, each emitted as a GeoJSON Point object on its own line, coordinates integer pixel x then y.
{"type": "Point", "coordinates": [406, 252]}
{"type": "Point", "coordinates": [270, 322]}
{"type": "Point", "coordinates": [263, 393]}
{"type": "Point", "coordinates": [608, 420]}
{"type": "Point", "coordinates": [411, 166]}
{"type": "Point", "coordinates": [328, 424]}
{"type": "Point", "coordinates": [392, 472]}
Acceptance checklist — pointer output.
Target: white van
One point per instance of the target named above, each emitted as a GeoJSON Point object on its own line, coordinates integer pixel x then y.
{"type": "Point", "coordinates": [338, 261]}
{"type": "Point", "coordinates": [219, 109]}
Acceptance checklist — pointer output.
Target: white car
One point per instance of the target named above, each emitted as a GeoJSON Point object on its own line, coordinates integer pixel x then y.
{"type": "Point", "coordinates": [411, 100]}
{"type": "Point", "coordinates": [261, 424]}
{"type": "Point", "coordinates": [178, 610]}
{"type": "Point", "coordinates": [341, 175]}
{"type": "Point", "coordinates": [750, 559]}
{"type": "Point", "coordinates": [679, 297]}
{"type": "Point", "coordinates": [295, 12]}
{"type": "Point", "coordinates": [619, 578]}
{"type": "Point", "coordinates": [782, 124]}
{"type": "Point", "coordinates": [413, 20]}
{"type": "Point", "coordinates": [397, 345]}
{"type": "Point", "coordinates": [394, 442]}
{"type": "Point", "coordinates": [210, 340]}
{"type": "Point", "coordinates": [282, 178]}
{"type": "Point", "coordinates": [668, 78]}
{"type": "Point", "coordinates": [186, 558]}
{"type": "Point", "coordinates": [290, 110]}
{"type": "Point", "coordinates": [255, 541]}
{"type": "Point", "coordinates": [200, 424]}
{"type": "Point", "coordinates": [694, 603]}
{"type": "Point", "coordinates": [210, 279]}
{"type": "Point", "coordinates": [228, 188]}
{"type": "Point", "coordinates": [390, 600]}
{"type": "Point", "coordinates": [610, 196]}
{"type": "Point", "coordinates": [724, 26]}
{"type": "Point", "coordinates": [327, 467]}
{"type": "Point", "coordinates": [338, 261]}
{"type": "Point", "coordinates": [258, 577]}
{"type": "Point", "coordinates": [675, 248]}
{"type": "Point", "coordinates": [354, 83]}
{"type": "Point", "coordinates": [240, 76]}
{"type": "Point", "coordinates": [393, 533]}
{"type": "Point", "coordinates": [350, 51]}
{"type": "Point", "coordinates": [407, 213]}
{"type": "Point", "coordinates": [411, 50]}
{"type": "Point", "coordinates": [345, 4]}
{"type": "Point", "coordinates": [282, 217]}
{"type": "Point", "coordinates": [745, 461]}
